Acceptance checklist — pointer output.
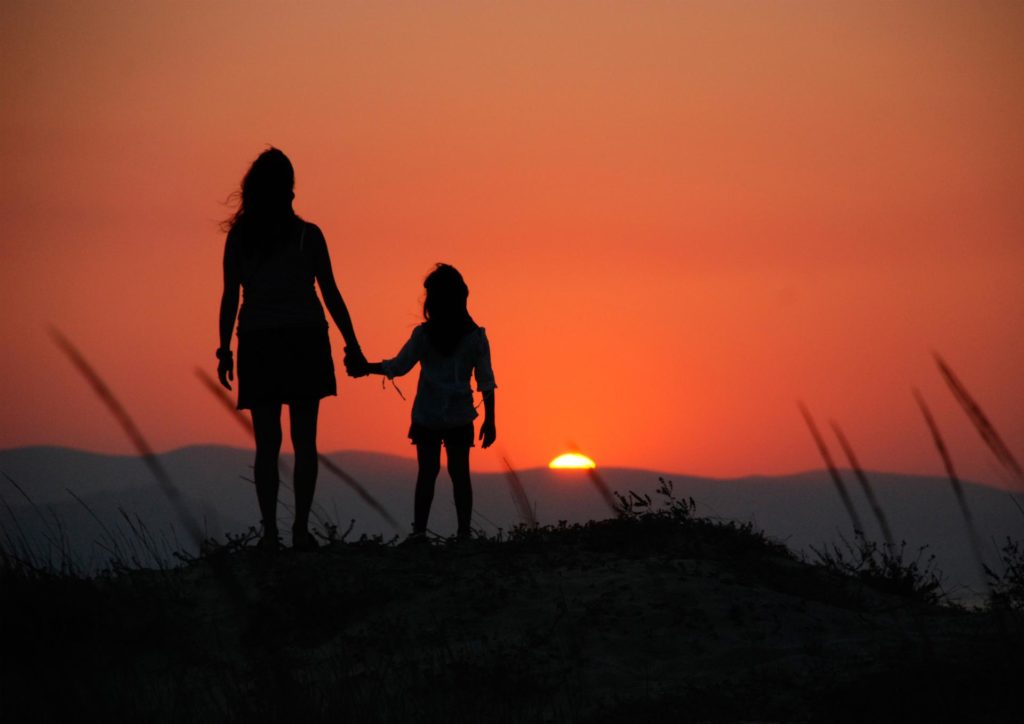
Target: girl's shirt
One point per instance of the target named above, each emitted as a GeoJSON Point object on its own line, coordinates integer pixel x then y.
{"type": "Point", "coordinates": [444, 397]}
{"type": "Point", "coordinates": [278, 282]}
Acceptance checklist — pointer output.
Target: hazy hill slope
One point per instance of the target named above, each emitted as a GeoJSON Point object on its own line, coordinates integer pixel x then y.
{"type": "Point", "coordinates": [800, 510]}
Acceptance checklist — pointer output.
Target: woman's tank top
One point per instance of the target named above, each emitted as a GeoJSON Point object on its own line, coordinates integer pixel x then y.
{"type": "Point", "coordinates": [278, 285]}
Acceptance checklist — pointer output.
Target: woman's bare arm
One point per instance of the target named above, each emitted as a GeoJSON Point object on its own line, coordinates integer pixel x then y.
{"type": "Point", "coordinates": [329, 291]}
{"type": "Point", "coordinates": [228, 313]}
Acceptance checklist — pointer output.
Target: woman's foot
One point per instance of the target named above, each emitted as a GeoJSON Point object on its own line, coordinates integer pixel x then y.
{"type": "Point", "coordinates": [303, 540]}
{"type": "Point", "coordinates": [269, 543]}
{"type": "Point", "coordinates": [415, 538]}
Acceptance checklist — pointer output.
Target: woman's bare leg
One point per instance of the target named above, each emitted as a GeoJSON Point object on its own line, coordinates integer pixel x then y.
{"type": "Point", "coordinates": [266, 422]}
{"type": "Point", "coordinates": [303, 428]}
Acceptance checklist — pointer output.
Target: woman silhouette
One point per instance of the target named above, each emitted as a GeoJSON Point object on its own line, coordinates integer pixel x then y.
{"type": "Point", "coordinates": [284, 354]}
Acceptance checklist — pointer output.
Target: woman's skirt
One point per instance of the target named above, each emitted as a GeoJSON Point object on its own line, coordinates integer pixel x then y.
{"type": "Point", "coordinates": [283, 366]}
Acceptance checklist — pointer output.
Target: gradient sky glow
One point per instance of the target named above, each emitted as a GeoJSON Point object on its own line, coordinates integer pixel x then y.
{"type": "Point", "coordinates": [675, 219]}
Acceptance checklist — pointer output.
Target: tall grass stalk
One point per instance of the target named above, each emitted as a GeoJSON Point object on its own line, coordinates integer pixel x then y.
{"type": "Point", "coordinates": [142, 535]}
{"type": "Point", "coordinates": [519, 498]}
{"type": "Point", "coordinates": [605, 491]}
{"type": "Point", "coordinates": [981, 422]}
{"type": "Point", "coordinates": [114, 549]}
{"type": "Point", "coordinates": [958, 490]}
{"type": "Point", "coordinates": [100, 388]}
{"type": "Point", "coordinates": [225, 399]}
{"type": "Point", "coordinates": [601, 486]}
{"type": "Point", "coordinates": [333, 467]}
{"type": "Point", "coordinates": [283, 684]}
{"type": "Point", "coordinates": [844, 495]}
{"type": "Point", "coordinates": [869, 493]}
{"type": "Point", "coordinates": [361, 491]}
{"type": "Point", "coordinates": [480, 519]}
{"type": "Point", "coordinates": [17, 552]}
{"type": "Point", "coordinates": [53, 534]}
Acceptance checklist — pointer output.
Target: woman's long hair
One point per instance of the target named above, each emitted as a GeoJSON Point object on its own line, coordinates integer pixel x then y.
{"type": "Point", "coordinates": [444, 308]}
{"type": "Point", "coordinates": [264, 199]}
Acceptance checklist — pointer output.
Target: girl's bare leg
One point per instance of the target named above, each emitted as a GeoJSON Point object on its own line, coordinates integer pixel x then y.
{"type": "Point", "coordinates": [458, 470]}
{"type": "Point", "coordinates": [428, 455]}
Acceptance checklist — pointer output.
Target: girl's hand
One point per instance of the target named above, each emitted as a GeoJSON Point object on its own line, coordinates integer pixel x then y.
{"type": "Point", "coordinates": [488, 433]}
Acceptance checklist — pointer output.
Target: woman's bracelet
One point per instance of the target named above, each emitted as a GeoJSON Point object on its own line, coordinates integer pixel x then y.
{"type": "Point", "coordinates": [224, 354]}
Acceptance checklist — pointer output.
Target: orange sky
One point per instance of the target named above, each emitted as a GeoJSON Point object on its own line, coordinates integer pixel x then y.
{"type": "Point", "coordinates": [675, 218]}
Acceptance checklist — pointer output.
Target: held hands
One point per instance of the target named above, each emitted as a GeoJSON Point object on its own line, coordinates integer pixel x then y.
{"type": "Point", "coordinates": [225, 367]}
{"type": "Point", "coordinates": [355, 362]}
{"type": "Point", "coordinates": [488, 433]}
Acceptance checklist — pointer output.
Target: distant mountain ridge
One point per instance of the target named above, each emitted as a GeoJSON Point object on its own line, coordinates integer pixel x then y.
{"type": "Point", "coordinates": [801, 510]}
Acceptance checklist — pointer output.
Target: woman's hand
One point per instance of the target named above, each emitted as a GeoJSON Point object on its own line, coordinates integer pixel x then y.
{"type": "Point", "coordinates": [355, 362]}
{"type": "Point", "coordinates": [225, 367]}
{"type": "Point", "coordinates": [488, 433]}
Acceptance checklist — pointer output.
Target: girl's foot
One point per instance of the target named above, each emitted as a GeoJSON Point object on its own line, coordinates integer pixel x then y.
{"type": "Point", "coordinates": [303, 540]}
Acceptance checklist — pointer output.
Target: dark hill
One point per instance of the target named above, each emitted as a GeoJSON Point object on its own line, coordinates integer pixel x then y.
{"type": "Point", "coordinates": [657, 617]}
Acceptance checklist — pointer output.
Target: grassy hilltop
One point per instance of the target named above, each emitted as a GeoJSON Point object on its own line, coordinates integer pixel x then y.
{"type": "Point", "coordinates": [656, 616]}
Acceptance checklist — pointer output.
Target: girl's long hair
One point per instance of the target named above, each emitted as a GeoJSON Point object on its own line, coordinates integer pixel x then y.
{"type": "Point", "coordinates": [444, 308]}
{"type": "Point", "coordinates": [264, 199]}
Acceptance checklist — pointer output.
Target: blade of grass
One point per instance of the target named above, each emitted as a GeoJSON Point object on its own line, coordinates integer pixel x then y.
{"type": "Point", "coordinates": [284, 689]}
{"type": "Point", "coordinates": [115, 548]}
{"type": "Point", "coordinates": [100, 388]}
{"type": "Point", "coordinates": [20, 549]}
{"type": "Point", "coordinates": [225, 399]}
{"type": "Point", "coordinates": [844, 495]}
{"type": "Point", "coordinates": [360, 490]}
{"type": "Point", "coordinates": [600, 485]}
{"type": "Point", "coordinates": [876, 508]}
{"type": "Point", "coordinates": [47, 531]}
{"type": "Point", "coordinates": [604, 490]}
{"type": "Point", "coordinates": [981, 422]}
{"type": "Point", "coordinates": [478, 517]}
{"type": "Point", "coordinates": [954, 481]}
{"type": "Point", "coordinates": [522, 502]}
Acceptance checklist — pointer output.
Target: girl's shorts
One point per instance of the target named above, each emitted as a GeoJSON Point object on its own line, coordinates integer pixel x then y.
{"type": "Point", "coordinates": [461, 436]}
{"type": "Point", "coordinates": [285, 365]}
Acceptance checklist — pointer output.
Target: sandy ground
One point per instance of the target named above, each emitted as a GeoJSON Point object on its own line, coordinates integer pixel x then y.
{"type": "Point", "coordinates": [613, 621]}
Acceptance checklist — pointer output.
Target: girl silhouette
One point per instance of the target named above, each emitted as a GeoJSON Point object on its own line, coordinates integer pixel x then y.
{"type": "Point", "coordinates": [449, 346]}
{"type": "Point", "coordinates": [284, 354]}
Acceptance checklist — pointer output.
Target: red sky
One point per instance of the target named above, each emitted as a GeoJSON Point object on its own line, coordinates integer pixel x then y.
{"type": "Point", "coordinates": [675, 218]}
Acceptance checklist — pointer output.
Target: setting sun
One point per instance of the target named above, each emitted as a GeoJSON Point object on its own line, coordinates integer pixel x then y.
{"type": "Point", "coordinates": [571, 461]}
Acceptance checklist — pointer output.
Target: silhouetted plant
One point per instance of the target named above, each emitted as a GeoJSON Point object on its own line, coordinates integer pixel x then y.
{"type": "Point", "coordinates": [1007, 590]}
{"type": "Point", "coordinates": [330, 531]}
{"type": "Point", "coordinates": [233, 542]}
{"type": "Point", "coordinates": [885, 568]}
{"type": "Point", "coordinates": [633, 506]}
